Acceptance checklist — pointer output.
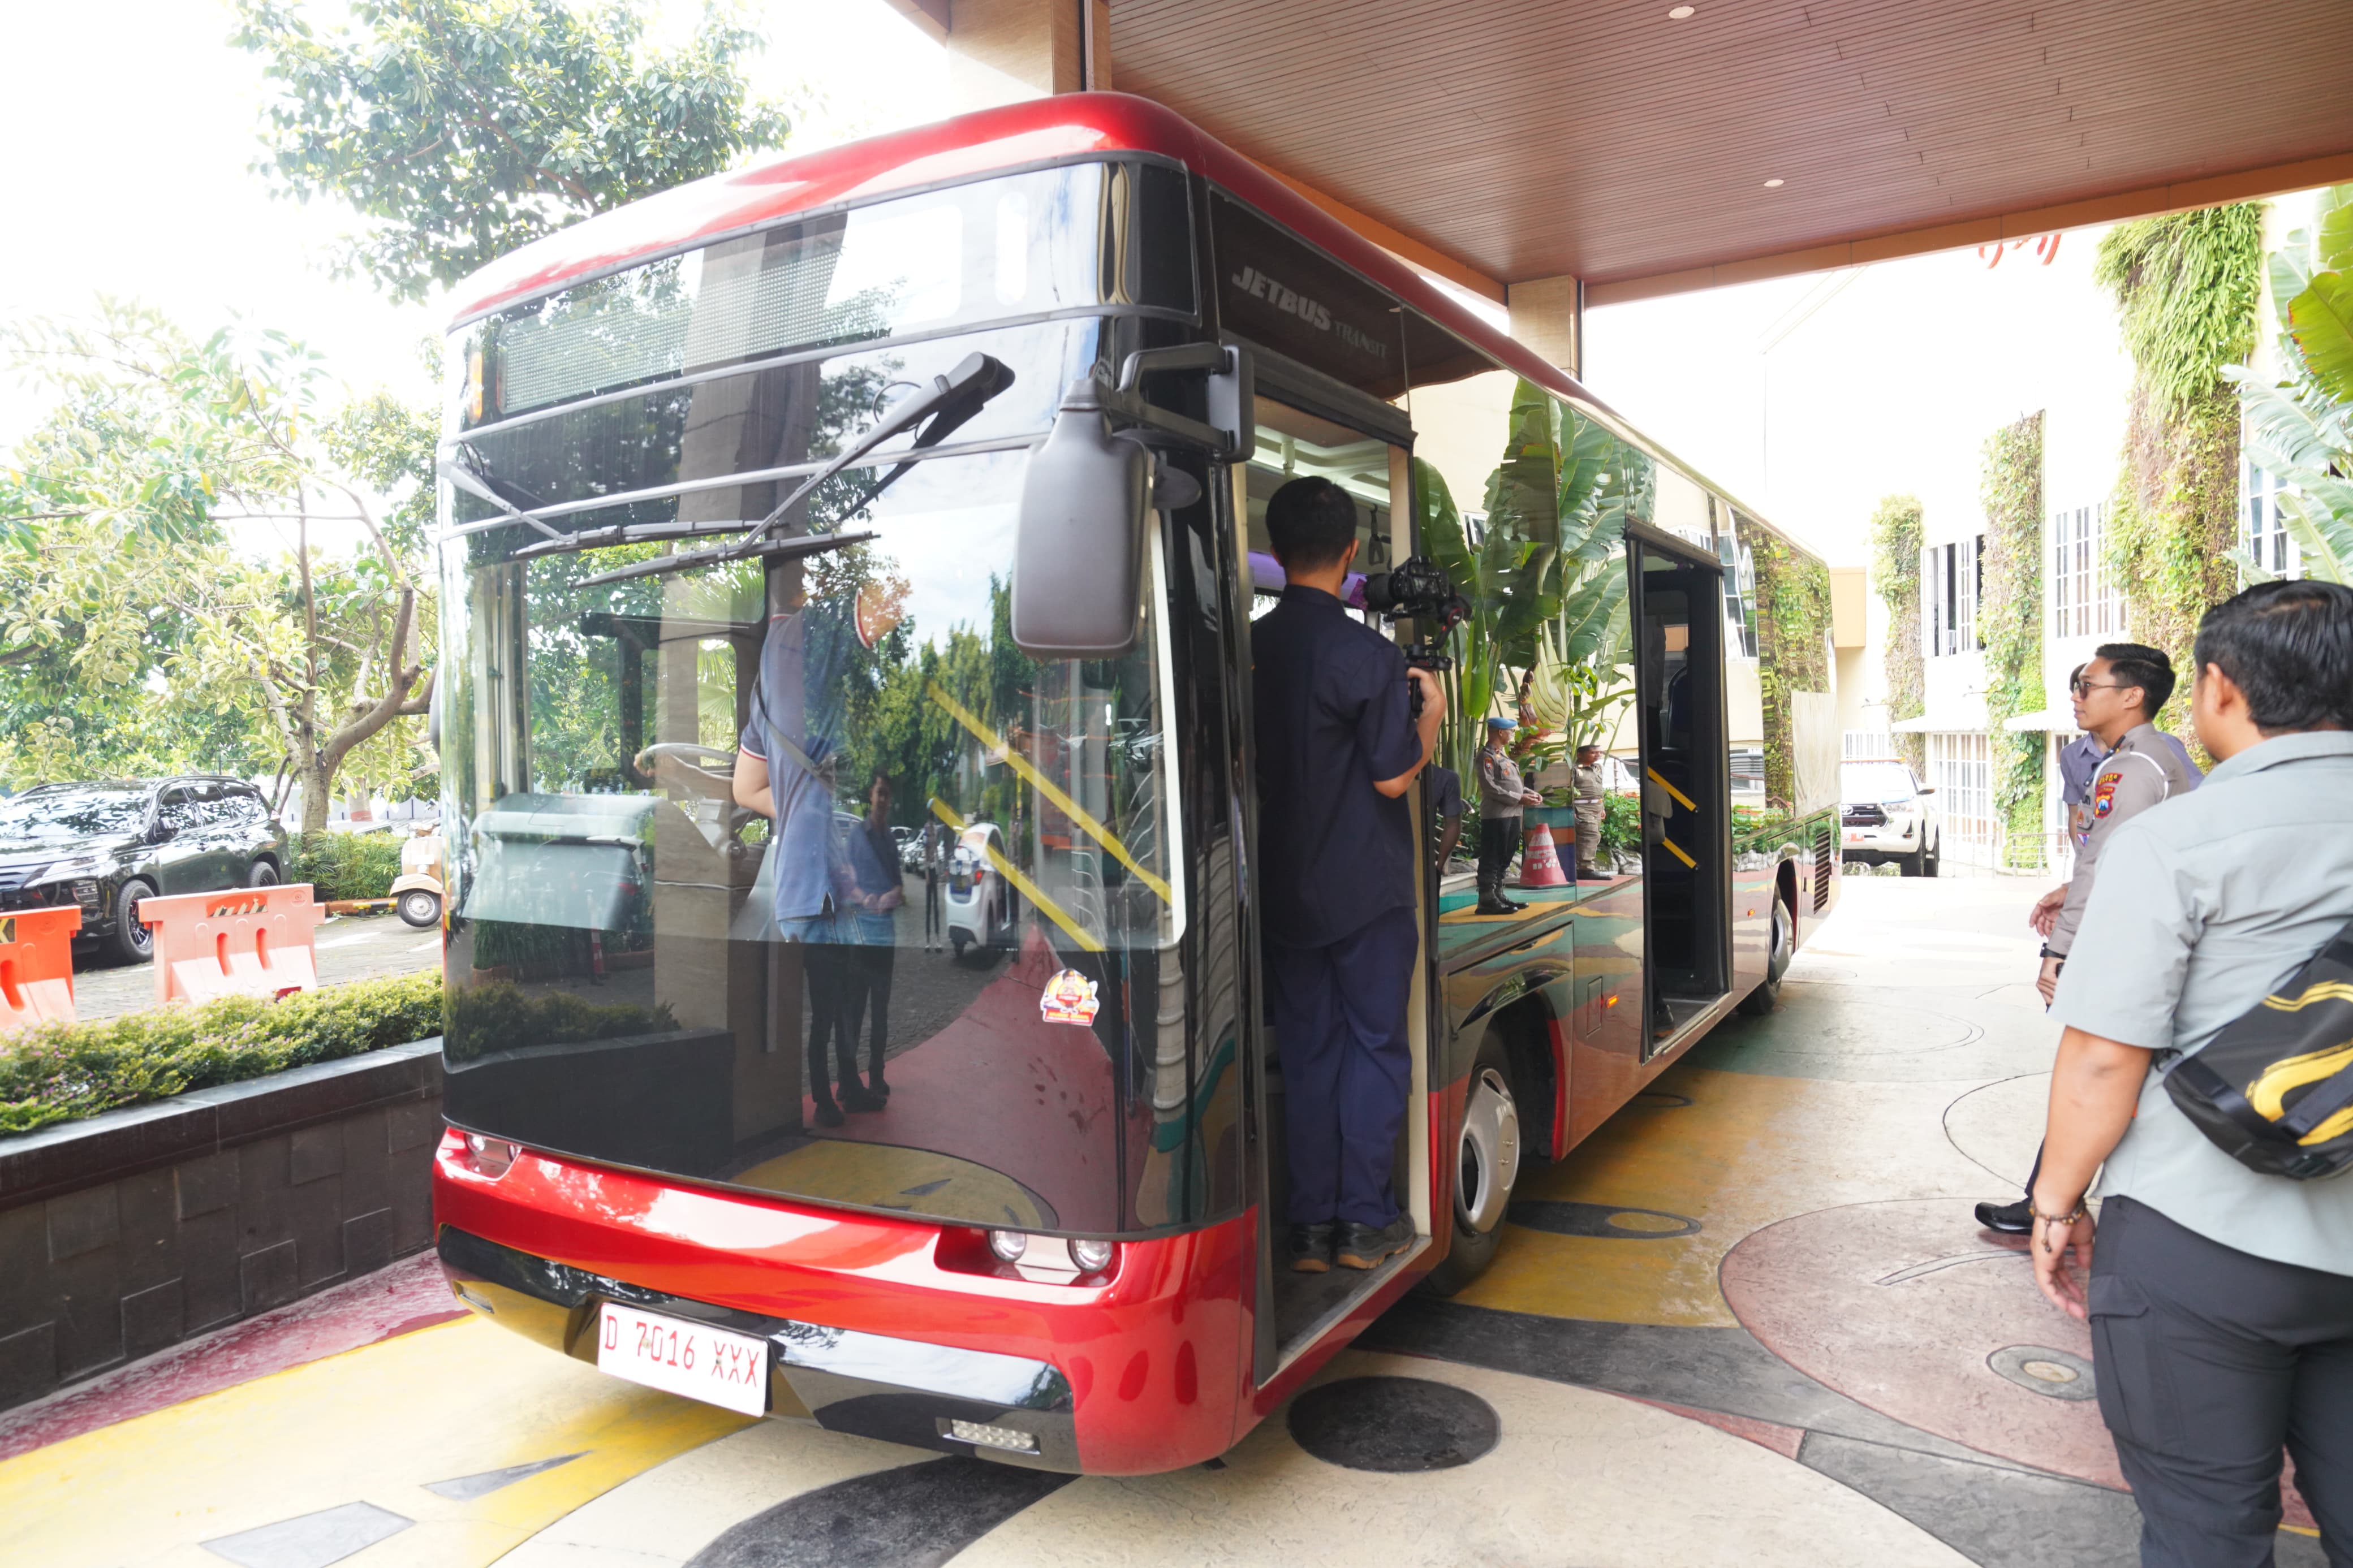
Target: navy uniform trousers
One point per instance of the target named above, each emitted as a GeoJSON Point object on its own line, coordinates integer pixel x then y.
{"type": "Point", "coordinates": [1347, 1064]}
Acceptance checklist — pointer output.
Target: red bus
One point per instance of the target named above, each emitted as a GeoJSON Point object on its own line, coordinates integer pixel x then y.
{"type": "Point", "coordinates": [942, 458]}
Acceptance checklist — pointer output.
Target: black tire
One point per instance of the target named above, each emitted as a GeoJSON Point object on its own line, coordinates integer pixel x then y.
{"type": "Point", "coordinates": [1767, 994]}
{"type": "Point", "coordinates": [1910, 864]}
{"type": "Point", "coordinates": [1931, 859]}
{"type": "Point", "coordinates": [958, 939]}
{"type": "Point", "coordinates": [420, 909]}
{"type": "Point", "coordinates": [132, 942]}
{"type": "Point", "coordinates": [1486, 1169]}
{"type": "Point", "coordinates": [263, 875]}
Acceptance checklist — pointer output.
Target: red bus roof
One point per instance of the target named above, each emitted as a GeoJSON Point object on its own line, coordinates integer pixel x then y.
{"type": "Point", "coordinates": [1040, 131]}
{"type": "Point", "coordinates": [1044, 129]}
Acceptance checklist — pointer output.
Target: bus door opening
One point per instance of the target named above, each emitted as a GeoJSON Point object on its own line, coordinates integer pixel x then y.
{"type": "Point", "coordinates": [1296, 1311]}
{"type": "Point", "coordinates": [1679, 685]}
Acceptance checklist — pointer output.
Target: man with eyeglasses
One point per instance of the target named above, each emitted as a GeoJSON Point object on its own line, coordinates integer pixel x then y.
{"type": "Point", "coordinates": [2118, 696]}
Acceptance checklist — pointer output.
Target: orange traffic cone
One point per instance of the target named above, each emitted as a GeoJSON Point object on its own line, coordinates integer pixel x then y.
{"type": "Point", "coordinates": [1539, 867]}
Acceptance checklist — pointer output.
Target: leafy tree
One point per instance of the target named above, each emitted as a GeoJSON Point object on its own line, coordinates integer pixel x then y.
{"type": "Point", "coordinates": [1895, 540]}
{"type": "Point", "coordinates": [1541, 598]}
{"type": "Point", "coordinates": [2300, 429]}
{"type": "Point", "coordinates": [2186, 287]}
{"type": "Point", "coordinates": [152, 642]}
{"type": "Point", "coordinates": [464, 128]}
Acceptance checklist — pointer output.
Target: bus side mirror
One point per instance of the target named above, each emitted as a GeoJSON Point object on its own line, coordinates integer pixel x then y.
{"type": "Point", "coordinates": [1078, 544]}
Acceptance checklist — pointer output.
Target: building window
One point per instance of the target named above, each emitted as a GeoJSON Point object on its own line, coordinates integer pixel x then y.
{"type": "Point", "coordinates": [2085, 598]}
{"type": "Point", "coordinates": [1954, 579]}
{"type": "Point", "coordinates": [2267, 543]}
{"type": "Point", "coordinates": [1960, 766]}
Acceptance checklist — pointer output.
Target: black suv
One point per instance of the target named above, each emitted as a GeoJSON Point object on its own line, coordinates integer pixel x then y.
{"type": "Point", "coordinates": [105, 845]}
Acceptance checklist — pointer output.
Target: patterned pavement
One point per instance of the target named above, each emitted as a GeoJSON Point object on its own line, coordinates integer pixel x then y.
{"type": "Point", "coordinates": [1750, 1320]}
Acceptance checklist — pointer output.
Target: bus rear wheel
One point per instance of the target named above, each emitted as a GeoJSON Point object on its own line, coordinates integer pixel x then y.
{"type": "Point", "coordinates": [1487, 1165]}
{"type": "Point", "coordinates": [1767, 994]}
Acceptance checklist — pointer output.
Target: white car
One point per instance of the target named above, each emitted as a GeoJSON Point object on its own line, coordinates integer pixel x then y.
{"type": "Point", "coordinates": [1887, 814]}
{"type": "Point", "coordinates": [981, 909]}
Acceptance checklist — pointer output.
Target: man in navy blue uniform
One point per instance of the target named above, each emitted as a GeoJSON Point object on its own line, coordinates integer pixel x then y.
{"type": "Point", "coordinates": [1338, 747]}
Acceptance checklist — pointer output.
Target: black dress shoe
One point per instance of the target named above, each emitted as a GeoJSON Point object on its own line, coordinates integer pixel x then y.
{"type": "Point", "coordinates": [854, 1097]}
{"type": "Point", "coordinates": [1365, 1246]}
{"type": "Point", "coordinates": [829, 1114]}
{"type": "Point", "coordinates": [1496, 907]}
{"type": "Point", "coordinates": [2010, 1219]}
{"type": "Point", "coordinates": [1311, 1248]}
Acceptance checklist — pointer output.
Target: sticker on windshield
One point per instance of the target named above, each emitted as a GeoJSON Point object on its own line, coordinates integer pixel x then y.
{"type": "Point", "coordinates": [1068, 998]}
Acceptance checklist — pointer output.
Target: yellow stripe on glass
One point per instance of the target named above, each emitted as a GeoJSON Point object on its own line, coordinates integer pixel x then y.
{"type": "Point", "coordinates": [1030, 889]}
{"type": "Point", "coordinates": [1047, 787]}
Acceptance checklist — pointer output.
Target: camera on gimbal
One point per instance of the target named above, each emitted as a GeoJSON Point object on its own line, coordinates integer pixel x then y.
{"type": "Point", "coordinates": [1419, 591]}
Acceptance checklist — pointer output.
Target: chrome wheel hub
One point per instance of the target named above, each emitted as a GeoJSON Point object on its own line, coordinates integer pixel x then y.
{"type": "Point", "coordinates": [1490, 1154]}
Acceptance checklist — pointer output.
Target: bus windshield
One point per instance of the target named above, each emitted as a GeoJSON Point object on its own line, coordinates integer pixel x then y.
{"type": "Point", "coordinates": [685, 935]}
{"type": "Point", "coordinates": [794, 874]}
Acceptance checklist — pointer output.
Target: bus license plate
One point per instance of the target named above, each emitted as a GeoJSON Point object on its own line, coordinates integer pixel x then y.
{"type": "Point", "coordinates": [713, 1365]}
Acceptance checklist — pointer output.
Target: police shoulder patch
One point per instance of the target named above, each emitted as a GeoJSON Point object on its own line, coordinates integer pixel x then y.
{"type": "Point", "coordinates": [2104, 794]}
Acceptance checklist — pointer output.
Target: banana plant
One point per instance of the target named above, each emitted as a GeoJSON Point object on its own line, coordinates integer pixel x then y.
{"type": "Point", "coordinates": [2301, 429]}
{"type": "Point", "coordinates": [1546, 595]}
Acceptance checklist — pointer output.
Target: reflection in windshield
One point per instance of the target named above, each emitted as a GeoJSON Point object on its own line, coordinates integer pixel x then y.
{"type": "Point", "coordinates": [684, 937]}
{"type": "Point", "coordinates": [46, 818]}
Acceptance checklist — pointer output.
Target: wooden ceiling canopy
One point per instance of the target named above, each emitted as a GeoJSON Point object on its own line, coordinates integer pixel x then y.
{"type": "Point", "coordinates": [1530, 139]}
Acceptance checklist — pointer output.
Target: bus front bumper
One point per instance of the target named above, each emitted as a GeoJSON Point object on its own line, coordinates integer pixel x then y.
{"type": "Point", "coordinates": [872, 1385]}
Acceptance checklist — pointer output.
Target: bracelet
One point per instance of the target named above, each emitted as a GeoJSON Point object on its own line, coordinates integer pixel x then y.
{"type": "Point", "coordinates": [2080, 1213]}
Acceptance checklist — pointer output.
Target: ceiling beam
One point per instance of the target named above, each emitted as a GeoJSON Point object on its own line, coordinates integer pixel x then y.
{"type": "Point", "coordinates": [2181, 196]}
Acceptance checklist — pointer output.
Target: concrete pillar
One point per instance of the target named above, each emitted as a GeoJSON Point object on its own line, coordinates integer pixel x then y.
{"type": "Point", "coordinates": [1003, 51]}
{"type": "Point", "coordinates": [1548, 315]}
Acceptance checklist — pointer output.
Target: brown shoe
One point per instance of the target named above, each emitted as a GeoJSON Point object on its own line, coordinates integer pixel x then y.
{"type": "Point", "coordinates": [1311, 1248]}
{"type": "Point", "coordinates": [1367, 1245]}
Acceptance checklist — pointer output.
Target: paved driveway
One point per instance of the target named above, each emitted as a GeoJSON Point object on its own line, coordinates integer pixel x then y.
{"type": "Point", "coordinates": [1749, 1321]}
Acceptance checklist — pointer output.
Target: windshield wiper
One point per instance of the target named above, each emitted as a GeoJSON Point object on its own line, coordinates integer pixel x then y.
{"type": "Point", "coordinates": [790, 549]}
{"type": "Point", "coordinates": [465, 468]}
{"type": "Point", "coordinates": [942, 409]}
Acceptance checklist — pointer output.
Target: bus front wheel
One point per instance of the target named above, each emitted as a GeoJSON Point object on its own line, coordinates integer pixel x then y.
{"type": "Point", "coordinates": [1487, 1164]}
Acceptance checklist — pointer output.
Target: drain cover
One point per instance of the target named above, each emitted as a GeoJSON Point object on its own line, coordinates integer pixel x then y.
{"type": "Point", "coordinates": [2054, 1374]}
{"type": "Point", "coordinates": [1395, 1424]}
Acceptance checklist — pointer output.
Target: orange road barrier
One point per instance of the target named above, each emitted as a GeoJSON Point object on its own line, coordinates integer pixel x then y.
{"type": "Point", "coordinates": [1539, 865]}
{"type": "Point", "coordinates": [243, 941]}
{"type": "Point", "coordinates": [36, 966]}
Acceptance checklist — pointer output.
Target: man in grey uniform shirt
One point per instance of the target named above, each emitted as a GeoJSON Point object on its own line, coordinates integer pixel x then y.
{"type": "Point", "coordinates": [2221, 1299]}
{"type": "Point", "coordinates": [2117, 695]}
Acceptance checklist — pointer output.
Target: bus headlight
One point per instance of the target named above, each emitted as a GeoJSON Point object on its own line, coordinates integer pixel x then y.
{"type": "Point", "coordinates": [1092, 1257]}
{"type": "Point", "coordinates": [491, 1157]}
{"type": "Point", "coordinates": [1009, 1245]}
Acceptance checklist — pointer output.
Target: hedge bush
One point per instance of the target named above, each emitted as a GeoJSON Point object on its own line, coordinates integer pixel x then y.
{"type": "Point", "coordinates": [345, 865]}
{"type": "Point", "coordinates": [59, 1072]}
{"type": "Point", "coordinates": [56, 1072]}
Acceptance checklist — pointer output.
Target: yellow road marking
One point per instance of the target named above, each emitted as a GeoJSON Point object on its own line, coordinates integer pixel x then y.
{"type": "Point", "coordinates": [371, 1425]}
{"type": "Point", "coordinates": [1047, 787]}
{"type": "Point", "coordinates": [1030, 889]}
